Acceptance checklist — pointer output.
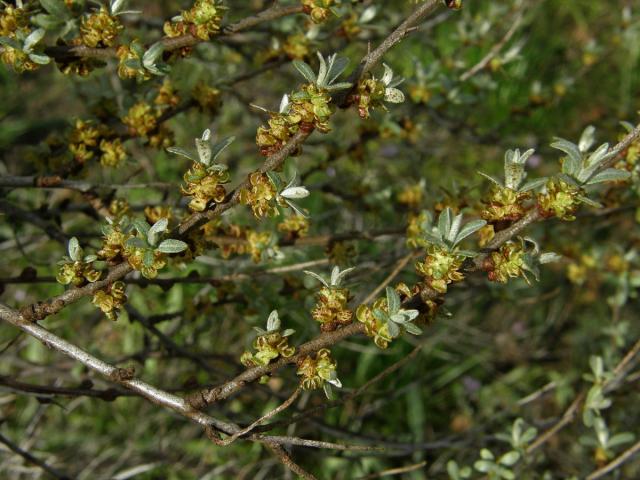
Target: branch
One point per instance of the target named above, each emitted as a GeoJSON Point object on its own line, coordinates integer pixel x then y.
{"type": "Point", "coordinates": [173, 43]}
{"type": "Point", "coordinates": [32, 459]}
{"type": "Point", "coordinates": [617, 462]}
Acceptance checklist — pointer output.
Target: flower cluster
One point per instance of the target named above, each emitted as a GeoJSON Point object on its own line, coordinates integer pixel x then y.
{"type": "Point", "coordinates": [319, 371]}
{"type": "Point", "coordinates": [204, 181]}
{"type": "Point", "coordinates": [77, 268]}
{"type": "Point", "coordinates": [202, 20]}
{"type": "Point", "coordinates": [113, 153]}
{"type": "Point", "coordinates": [204, 186]}
{"type": "Point", "coordinates": [233, 239]}
{"type": "Point", "coordinates": [87, 140]}
{"type": "Point", "coordinates": [440, 268]}
{"type": "Point", "coordinates": [167, 96]}
{"type": "Point", "coordinates": [259, 195]}
{"type": "Point", "coordinates": [84, 139]}
{"type": "Point", "coordinates": [294, 226]}
{"type": "Point", "coordinates": [371, 93]}
{"type": "Point", "coordinates": [18, 40]}
{"type": "Point", "coordinates": [444, 259]}
{"type": "Point", "coordinates": [118, 208]}
{"type": "Point", "coordinates": [386, 319]}
{"type": "Point", "coordinates": [507, 262]}
{"type": "Point", "coordinates": [307, 109]}
{"type": "Point", "coordinates": [130, 60]}
{"type": "Point", "coordinates": [142, 119]}
{"type": "Point", "coordinates": [318, 10]}
{"type": "Point", "coordinates": [559, 200]}
{"type": "Point", "coordinates": [207, 97]}
{"type": "Point", "coordinates": [115, 235]}
{"type": "Point", "coordinates": [139, 243]}
{"type": "Point", "coordinates": [155, 213]}
{"type": "Point", "coordinates": [331, 308]}
{"type": "Point", "coordinates": [270, 344]}
{"type": "Point", "coordinates": [504, 204]}
{"type": "Point", "coordinates": [99, 29]}
{"type": "Point", "coordinates": [412, 195]}
{"type": "Point", "coordinates": [506, 199]}
{"type": "Point", "coordinates": [111, 299]}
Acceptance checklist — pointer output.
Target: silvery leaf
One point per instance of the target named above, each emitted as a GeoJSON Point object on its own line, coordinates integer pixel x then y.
{"type": "Point", "coordinates": [469, 229]}
{"type": "Point", "coordinates": [172, 245]}
{"type": "Point", "coordinates": [586, 139]}
{"type": "Point", "coordinates": [273, 322]}
{"type": "Point", "coordinates": [182, 152]}
{"type": "Point", "coordinates": [295, 192]}
{"type": "Point", "coordinates": [609, 175]}
{"type": "Point", "coordinates": [305, 70]}
{"type": "Point", "coordinates": [204, 148]}
{"type": "Point", "coordinates": [412, 329]}
{"type": "Point", "coordinates": [388, 74]}
{"type": "Point", "coordinates": [394, 329]}
{"type": "Point", "coordinates": [74, 249]}
{"type": "Point", "coordinates": [393, 95]}
{"type": "Point", "coordinates": [219, 147]}
{"type": "Point", "coordinates": [393, 300]}
{"type": "Point", "coordinates": [317, 277]}
{"type": "Point", "coordinates": [33, 38]}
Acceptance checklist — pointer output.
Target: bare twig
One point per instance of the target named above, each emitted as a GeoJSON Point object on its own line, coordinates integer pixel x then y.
{"type": "Point", "coordinates": [32, 459]}
{"type": "Point", "coordinates": [495, 50]}
{"type": "Point", "coordinates": [616, 463]}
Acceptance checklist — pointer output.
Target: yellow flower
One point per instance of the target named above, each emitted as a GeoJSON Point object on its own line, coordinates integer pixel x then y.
{"type": "Point", "coordinates": [99, 29]}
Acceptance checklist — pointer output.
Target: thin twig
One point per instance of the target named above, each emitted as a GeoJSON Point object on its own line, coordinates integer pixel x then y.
{"type": "Point", "coordinates": [32, 459]}
{"type": "Point", "coordinates": [617, 462]}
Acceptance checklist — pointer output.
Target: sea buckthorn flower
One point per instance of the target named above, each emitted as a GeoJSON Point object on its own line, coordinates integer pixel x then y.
{"type": "Point", "coordinates": [319, 371]}
{"type": "Point", "coordinates": [12, 20]}
{"type": "Point", "coordinates": [205, 180]}
{"type": "Point", "coordinates": [77, 268]}
{"type": "Point", "coordinates": [259, 195]}
{"type": "Point", "coordinates": [412, 195]}
{"type": "Point", "coordinates": [560, 199]}
{"type": "Point", "coordinates": [113, 153]}
{"type": "Point", "coordinates": [385, 320]}
{"type": "Point", "coordinates": [270, 344]}
{"type": "Point", "coordinates": [371, 93]}
{"type": "Point", "coordinates": [17, 49]}
{"type": "Point", "coordinates": [506, 199]}
{"type": "Point", "coordinates": [307, 109]}
{"type": "Point", "coordinates": [141, 119]}
{"type": "Point", "coordinates": [514, 259]}
{"type": "Point", "coordinates": [295, 226]}
{"type": "Point", "coordinates": [145, 252]}
{"type": "Point", "coordinates": [580, 169]}
{"type": "Point", "coordinates": [115, 235]}
{"type": "Point", "coordinates": [318, 10]}
{"type": "Point", "coordinates": [202, 20]}
{"type": "Point", "coordinates": [297, 46]}
{"type": "Point", "coordinates": [155, 213]}
{"type": "Point", "coordinates": [118, 208]}
{"type": "Point", "coordinates": [99, 29]}
{"type": "Point", "coordinates": [444, 259]}
{"type": "Point", "coordinates": [111, 299]}
{"type": "Point", "coordinates": [453, 4]}
{"type": "Point", "coordinates": [261, 244]}
{"type": "Point", "coordinates": [167, 96]}
{"type": "Point", "coordinates": [130, 61]}
{"type": "Point", "coordinates": [331, 309]}
{"type": "Point", "coordinates": [207, 97]}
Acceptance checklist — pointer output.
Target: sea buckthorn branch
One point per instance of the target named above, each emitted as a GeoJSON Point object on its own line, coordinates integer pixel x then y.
{"type": "Point", "coordinates": [127, 379]}
{"type": "Point", "coordinates": [178, 42]}
{"type": "Point", "coordinates": [420, 300]}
